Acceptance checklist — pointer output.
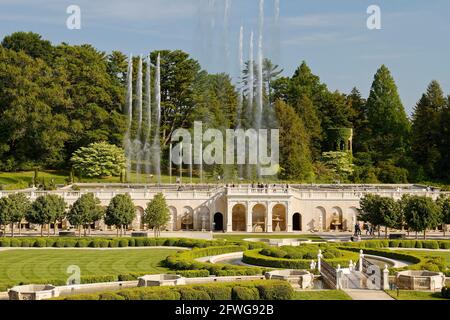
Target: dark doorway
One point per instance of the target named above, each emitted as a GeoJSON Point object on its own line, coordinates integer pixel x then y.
{"type": "Point", "coordinates": [297, 222]}
{"type": "Point", "coordinates": [218, 222]}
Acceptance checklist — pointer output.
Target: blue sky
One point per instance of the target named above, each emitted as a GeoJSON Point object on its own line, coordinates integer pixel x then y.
{"type": "Point", "coordinates": [331, 35]}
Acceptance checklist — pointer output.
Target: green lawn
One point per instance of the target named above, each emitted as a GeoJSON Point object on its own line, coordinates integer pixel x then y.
{"type": "Point", "coordinates": [321, 295]}
{"type": "Point", "coordinates": [266, 236]}
{"type": "Point", "coordinates": [435, 253]}
{"type": "Point", "coordinates": [415, 295]}
{"type": "Point", "coordinates": [30, 265]}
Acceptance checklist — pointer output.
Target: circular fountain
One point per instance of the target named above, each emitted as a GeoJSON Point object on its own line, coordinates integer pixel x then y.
{"type": "Point", "coordinates": [33, 292]}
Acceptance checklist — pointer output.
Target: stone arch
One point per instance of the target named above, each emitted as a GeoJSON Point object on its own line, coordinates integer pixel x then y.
{"type": "Point", "coordinates": [187, 219]}
{"type": "Point", "coordinates": [239, 217]}
{"type": "Point", "coordinates": [203, 219]}
{"type": "Point", "coordinates": [279, 218]}
{"type": "Point", "coordinates": [259, 218]}
{"type": "Point", "coordinates": [218, 221]}
{"type": "Point", "coordinates": [320, 215]}
{"type": "Point", "coordinates": [336, 222]}
{"type": "Point", "coordinates": [173, 218]}
{"type": "Point", "coordinates": [297, 222]}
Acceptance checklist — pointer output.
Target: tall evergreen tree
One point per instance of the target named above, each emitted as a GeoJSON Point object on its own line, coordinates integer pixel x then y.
{"type": "Point", "coordinates": [389, 125]}
{"type": "Point", "coordinates": [426, 132]}
{"type": "Point", "coordinates": [295, 154]}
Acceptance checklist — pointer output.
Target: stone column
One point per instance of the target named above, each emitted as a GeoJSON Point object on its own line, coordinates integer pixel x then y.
{"type": "Point", "coordinates": [289, 218]}
{"type": "Point", "coordinates": [269, 218]}
{"type": "Point", "coordinates": [229, 217]}
{"type": "Point", "coordinates": [249, 218]}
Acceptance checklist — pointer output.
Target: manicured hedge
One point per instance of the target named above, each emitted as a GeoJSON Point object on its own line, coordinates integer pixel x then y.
{"type": "Point", "coordinates": [254, 257]}
{"type": "Point", "coordinates": [186, 261]}
{"type": "Point", "coordinates": [385, 243]}
{"type": "Point", "coordinates": [68, 242]}
{"type": "Point", "coordinates": [245, 290]}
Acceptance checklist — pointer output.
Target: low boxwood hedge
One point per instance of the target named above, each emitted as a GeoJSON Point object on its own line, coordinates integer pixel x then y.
{"type": "Point", "coordinates": [186, 261]}
{"type": "Point", "coordinates": [385, 243]}
{"type": "Point", "coordinates": [248, 290]}
{"type": "Point", "coordinates": [254, 257]}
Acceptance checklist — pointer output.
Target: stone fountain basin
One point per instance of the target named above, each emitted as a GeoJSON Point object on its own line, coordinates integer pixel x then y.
{"type": "Point", "coordinates": [420, 280]}
{"type": "Point", "coordinates": [297, 278]}
{"type": "Point", "coordinates": [33, 292]}
{"type": "Point", "coordinates": [161, 280]}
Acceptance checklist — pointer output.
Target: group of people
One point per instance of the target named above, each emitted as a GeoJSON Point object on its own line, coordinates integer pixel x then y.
{"type": "Point", "coordinates": [370, 231]}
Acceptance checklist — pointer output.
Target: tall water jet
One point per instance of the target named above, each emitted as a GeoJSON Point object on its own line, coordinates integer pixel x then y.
{"type": "Point", "coordinates": [250, 98]}
{"type": "Point", "coordinates": [260, 95]}
{"type": "Point", "coordinates": [137, 144]}
{"type": "Point", "coordinates": [157, 141]}
{"type": "Point", "coordinates": [148, 104]}
{"type": "Point", "coordinates": [129, 112]}
{"type": "Point", "coordinates": [226, 23]}
{"type": "Point", "coordinates": [241, 90]}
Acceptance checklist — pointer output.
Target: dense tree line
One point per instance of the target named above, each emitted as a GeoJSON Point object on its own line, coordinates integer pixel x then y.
{"type": "Point", "coordinates": [86, 211]}
{"type": "Point", "coordinates": [56, 99]}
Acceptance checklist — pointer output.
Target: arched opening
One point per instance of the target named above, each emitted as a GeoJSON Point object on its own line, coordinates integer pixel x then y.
{"type": "Point", "coordinates": [203, 221]}
{"type": "Point", "coordinates": [297, 222]}
{"type": "Point", "coordinates": [138, 223]}
{"type": "Point", "coordinates": [320, 217]}
{"type": "Point", "coordinates": [239, 221]}
{"type": "Point", "coordinates": [336, 219]}
{"type": "Point", "coordinates": [187, 219]}
{"type": "Point", "coordinates": [259, 218]}
{"type": "Point", "coordinates": [173, 218]}
{"type": "Point", "coordinates": [279, 218]}
{"type": "Point", "coordinates": [218, 221]}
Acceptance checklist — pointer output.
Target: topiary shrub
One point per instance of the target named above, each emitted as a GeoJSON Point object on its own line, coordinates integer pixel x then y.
{"type": "Point", "coordinates": [431, 244]}
{"type": "Point", "coordinates": [111, 296]}
{"type": "Point", "coordinates": [245, 293]}
{"type": "Point", "coordinates": [123, 243]}
{"type": "Point", "coordinates": [82, 243]}
{"type": "Point", "coordinates": [276, 291]}
{"type": "Point", "coordinates": [5, 242]}
{"type": "Point", "coordinates": [192, 294]}
{"type": "Point", "coordinates": [216, 292]}
{"type": "Point", "coordinates": [418, 244]}
{"type": "Point", "coordinates": [26, 243]}
{"type": "Point", "coordinates": [83, 297]}
{"type": "Point", "coordinates": [40, 243]}
{"type": "Point", "coordinates": [15, 243]}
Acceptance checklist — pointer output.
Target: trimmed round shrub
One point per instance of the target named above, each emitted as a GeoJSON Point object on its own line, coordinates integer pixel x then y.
{"type": "Point", "coordinates": [82, 243]}
{"type": "Point", "coordinates": [111, 296]}
{"type": "Point", "coordinates": [5, 242]}
{"type": "Point", "coordinates": [132, 242]}
{"type": "Point", "coordinates": [431, 244]}
{"type": "Point", "coordinates": [25, 243]}
{"type": "Point", "coordinates": [83, 297]}
{"type": "Point", "coordinates": [276, 291]}
{"type": "Point", "coordinates": [273, 252]}
{"type": "Point", "coordinates": [192, 294]}
{"type": "Point", "coordinates": [123, 243]}
{"type": "Point", "coordinates": [418, 244]}
{"type": "Point", "coordinates": [40, 243]}
{"type": "Point", "coordinates": [15, 243]}
{"type": "Point", "coordinates": [216, 292]}
{"type": "Point", "coordinates": [245, 293]}
{"type": "Point", "coordinates": [444, 244]}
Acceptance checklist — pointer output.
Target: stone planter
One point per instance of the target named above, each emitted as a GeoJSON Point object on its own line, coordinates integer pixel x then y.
{"type": "Point", "coordinates": [139, 234]}
{"type": "Point", "coordinates": [33, 292]}
{"type": "Point", "coordinates": [420, 280]}
{"type": "Point", "coordinates": [67, 233]}
{"type": "Point", "coordinates": [299, 279]}
{"type": "Point", "coordinates": [159, 280]}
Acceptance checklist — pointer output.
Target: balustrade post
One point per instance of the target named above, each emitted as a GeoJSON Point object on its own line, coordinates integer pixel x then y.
{"type": "Point", "coordinates": [361, 257]}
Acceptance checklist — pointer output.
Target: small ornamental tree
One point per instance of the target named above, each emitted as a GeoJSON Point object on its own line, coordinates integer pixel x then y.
{"type": "Point", "coordinates": [45, 210]}
{"type": "Point", "coordinates": [369, 208]}
{"type": "Point", "coordinates": [85, 211]}
{"type": "Point", "coordinates": [120, 212]}
{"type": "Point", "coordinates": [421, 213]}
{"type": "Point", "coordinates": [20, 206]}
{"type": "Point", "coordinates": [444, 204]}
{"type": "Point", "coordinates": [5, 212]}
{"type": "Point", "coordinates": [99, 160]}
{"type": "Point", "coordinates": [157, 214]}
